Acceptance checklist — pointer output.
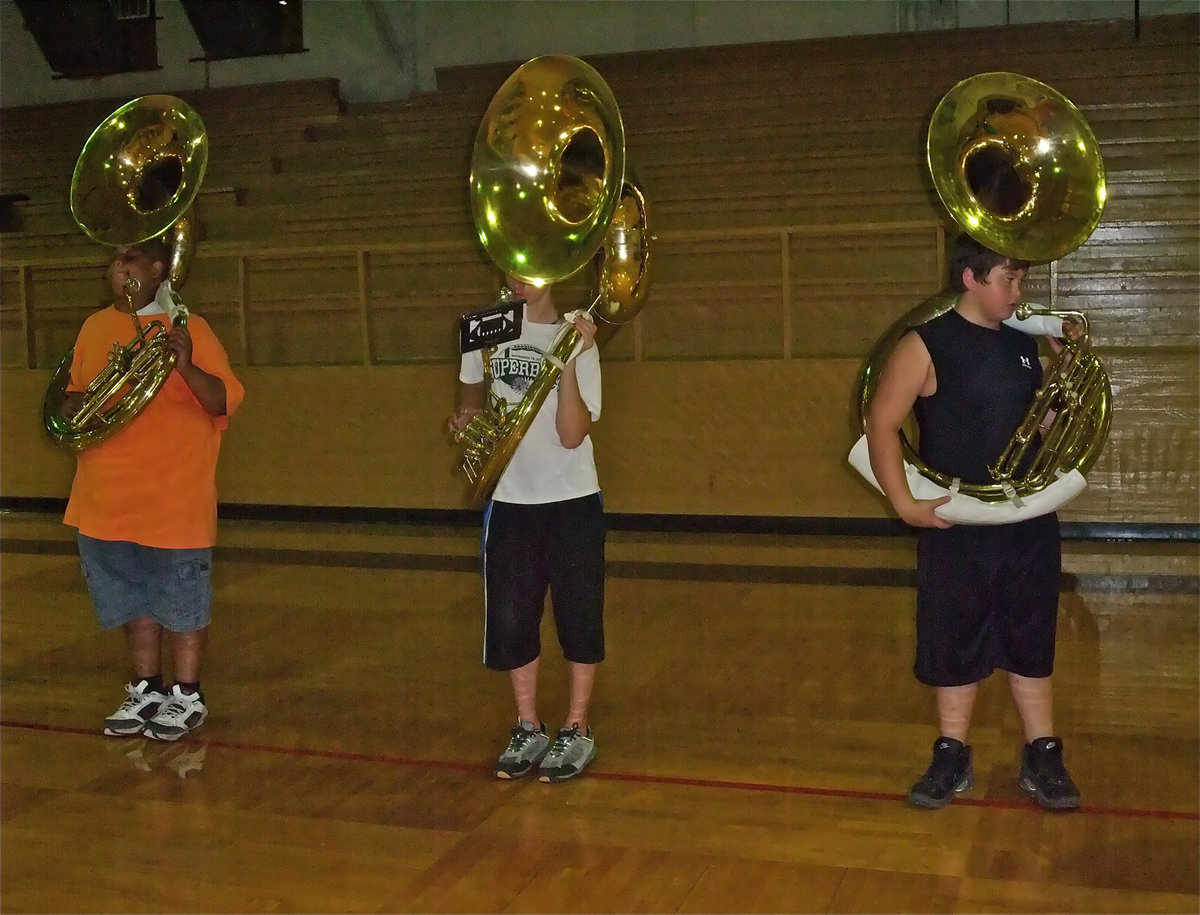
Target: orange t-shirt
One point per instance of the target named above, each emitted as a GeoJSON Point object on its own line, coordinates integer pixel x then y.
{"type": "Point", "coordinates": [154, 481]}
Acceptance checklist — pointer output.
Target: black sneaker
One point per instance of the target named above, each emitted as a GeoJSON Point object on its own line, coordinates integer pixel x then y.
{"type": "Point", "coordinates": [948, 774]}
{"type": "Point", "coordinates": [1045, 777]}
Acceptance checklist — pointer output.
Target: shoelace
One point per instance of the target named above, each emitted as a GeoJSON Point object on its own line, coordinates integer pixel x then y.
{"type": "Point", "coordinates": [520, 737]}
{"type": "Point", "coordinates": [1054, 771]}
{"type": "Point", "coordinates": [1049, 765]}
{"type": "Point", "coordinates": [564, 740]}
{"type": "Point", "coordinates": [135, 699]}
{"type": "Point", "coordinates": [175, 708]}
{"type": "Point", "coordinates": [943, 767]}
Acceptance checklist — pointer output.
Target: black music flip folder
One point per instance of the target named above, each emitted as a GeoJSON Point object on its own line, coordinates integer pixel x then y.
{"type": "Point", "coordinates": [495, 324]}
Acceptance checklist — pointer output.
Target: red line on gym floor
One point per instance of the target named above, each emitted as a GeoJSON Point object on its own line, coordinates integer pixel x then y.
{"type": "Point", "coordinates": [348, 756]}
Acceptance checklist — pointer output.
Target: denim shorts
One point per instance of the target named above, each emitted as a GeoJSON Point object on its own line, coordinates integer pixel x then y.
{"type": "Point", "coordinates": [128, 581]}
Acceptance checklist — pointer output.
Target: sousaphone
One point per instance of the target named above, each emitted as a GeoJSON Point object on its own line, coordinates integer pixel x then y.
{"type": "Point", "coordinates": [1019, 170]}
{"type": "Point", "coordinates": [551, 192]}
{"type": "Point", "coordinates": [136, 179]}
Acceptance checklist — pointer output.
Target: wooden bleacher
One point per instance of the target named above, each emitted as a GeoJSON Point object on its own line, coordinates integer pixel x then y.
{"type": "Point", "coordinates": [793, 214]}
{"type": "Point", "coordinates": [721, 138]}
{"type": "Point", "coordinates": [246, 127]}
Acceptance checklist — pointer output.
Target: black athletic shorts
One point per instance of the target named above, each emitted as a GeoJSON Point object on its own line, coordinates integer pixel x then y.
{"type": "Point", "coordinates": [987, 599]}
{"type": "Point", "coordinates": [529, 550]}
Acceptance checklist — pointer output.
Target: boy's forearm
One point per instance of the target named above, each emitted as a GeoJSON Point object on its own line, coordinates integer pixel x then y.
{"type": "Point", "coordinates": [573, 419]}
{"type": "Point", "coordinates": [209, 389]}
{"type": "Point", "coordinates": [470, 396]}
{"type": "Point", "coordinates": [887, 463]}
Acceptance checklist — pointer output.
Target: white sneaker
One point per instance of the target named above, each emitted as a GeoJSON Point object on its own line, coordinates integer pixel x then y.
{"type": "Point", "coordinates": [142, 705]}
{"type": "Point", "coordinates": [181, 713]}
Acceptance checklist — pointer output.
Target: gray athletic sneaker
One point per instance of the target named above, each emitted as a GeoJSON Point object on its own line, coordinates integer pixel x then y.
{"type": "Point", "coordinates": [573, 750]}
{"type": "Point", "coordinates": [526, 747]}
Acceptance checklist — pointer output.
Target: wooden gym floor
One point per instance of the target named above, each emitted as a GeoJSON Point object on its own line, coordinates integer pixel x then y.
{"type": "Point", "coordinates": [757, 723]}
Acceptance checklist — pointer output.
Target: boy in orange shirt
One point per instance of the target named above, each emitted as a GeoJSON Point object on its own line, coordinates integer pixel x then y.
{"type": "Point", "coordinates": [145, 503]}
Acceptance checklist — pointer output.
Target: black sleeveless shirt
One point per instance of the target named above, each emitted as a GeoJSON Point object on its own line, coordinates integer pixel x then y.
{"type": "Point", "coordinates": [985, 381]}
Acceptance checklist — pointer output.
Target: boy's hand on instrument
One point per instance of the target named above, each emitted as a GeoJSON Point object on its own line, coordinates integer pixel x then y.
{"type": "Point", "coordinates": [587, 328]}
{"type": "Point", "coordinates": [461, 420]}
{"type": "Point", "coordinates": [921, 513]}
{"type": "Point", "coordinates": [1072, 330]}
{"type": "Point", "coordinates": [179, 341]}
{"type": "Point", "coordinates": [72, 404]}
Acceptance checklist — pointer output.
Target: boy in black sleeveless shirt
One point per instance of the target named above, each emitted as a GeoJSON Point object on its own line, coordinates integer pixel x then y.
{"type": "Point", "coordinates": [987, 595]}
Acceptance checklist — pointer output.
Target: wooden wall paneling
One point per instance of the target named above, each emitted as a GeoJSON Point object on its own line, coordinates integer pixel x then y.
{"type": "Point", "coordinates": [235, 228]}
{"type": "Point", "coordinates": [317, 333]}
{"type": "Point", "coordinates": [417, 297]}
{"type": "Point", "coordinates": [849, 283]}
{"type": "Point", "coordinates": [415, 226]}
{"type": "Point", "coordinates": [717, 297]}
{"type": "Point", "coordinates": [1148, 470]}
{"type": "Point", "coordinates": [60, 298]}
{"type": "Point", "coordinates": [376, 192]}
{"type": "Point", "coordinates": [435, 134]}
{"type": "Point", "coordinates": [731, 436]}
{"type": "Point", "coordinates": [1154, 247]}
{"type": "Point", "coordinates": [1131, 131]}
{"type": "Point", "coordinates": [768, 170]}
{"type": "Point", "coordinates": [47, 230]}
{"type": "Point", "coordinates": [364, 305]}
{"type": "Point", "coordinates": [243, 288]}
{"type": "Point", "coordinates": [39, 146]}
{"type": "Point", "coordinates": [785, 273]}
{"type": "Point", "coordinates": [620, 342]}
{"type": "Point", "coordinates": [1133, 200]}
{"type": "Point", "coordinates": [635, 337]}
{"type": "Point", "coordinates": [14, 317]}
{"type": "Point", "coordinates": [304, 308]}
{"type": "Point", "coordinates": [213, 290]}
{"type": "Point", "coordinates": [1135, 310]}
{"type": "Point", "coordinates": [26, 324]}
{"type": "Point", "coordinates": [382, 431]}
{"type": "Point", "coordinates": [790, 206]}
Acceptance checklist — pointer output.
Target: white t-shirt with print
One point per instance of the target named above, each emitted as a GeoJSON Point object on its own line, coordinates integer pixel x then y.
{"type": "Point", "coordinates": [541, 469]}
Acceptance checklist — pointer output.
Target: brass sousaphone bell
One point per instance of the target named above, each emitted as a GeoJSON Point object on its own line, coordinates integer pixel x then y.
{"type": "Point", "coordinates": [550, 191]}
{"type": "Point", "coordinates": [1019, 170]}
{"type": "Point", "coordinates": [136, 179]}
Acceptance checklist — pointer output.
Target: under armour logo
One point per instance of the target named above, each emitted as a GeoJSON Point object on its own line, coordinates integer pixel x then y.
{"type": "Point", "coordinates": [1025, 363]}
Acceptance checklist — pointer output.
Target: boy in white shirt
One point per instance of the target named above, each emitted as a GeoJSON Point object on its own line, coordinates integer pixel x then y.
{"type": "Point", "coordinates": [543, 531]}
